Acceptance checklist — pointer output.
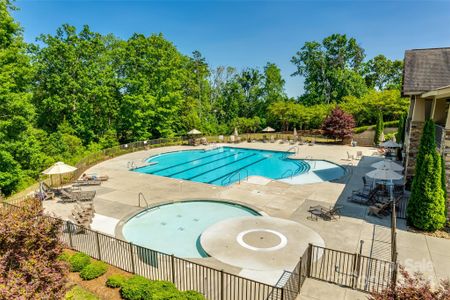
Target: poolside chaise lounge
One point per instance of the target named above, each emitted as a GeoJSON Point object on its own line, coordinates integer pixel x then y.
{"type": "Point", "coordinates": [361, 198]}
{"type": "Point", "coordinates": [71, 196]}
{"type": "Point", "coordinates": [86, 182]}
{"type": "Point", "coordinates": [332, 213]}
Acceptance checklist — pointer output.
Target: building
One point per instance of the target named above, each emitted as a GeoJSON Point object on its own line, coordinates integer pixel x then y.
{"type": "Point", "coordinates": [426, 81]}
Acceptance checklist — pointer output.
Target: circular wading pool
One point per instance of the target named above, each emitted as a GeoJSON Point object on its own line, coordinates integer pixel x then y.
{"type": "Point", "coordinates": [175, 228]}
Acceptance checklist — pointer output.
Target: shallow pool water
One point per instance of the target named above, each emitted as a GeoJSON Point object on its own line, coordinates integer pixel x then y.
{"type": "Point", "coordinates": [175, 228]}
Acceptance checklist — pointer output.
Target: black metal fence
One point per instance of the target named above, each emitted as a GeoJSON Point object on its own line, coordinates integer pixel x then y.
{"type": "Point", "coordinates": [351, 270]}
{"type": "Point", "coordinates": [185, 274]}
{"type": "Point", "coordinates": [346, 269]}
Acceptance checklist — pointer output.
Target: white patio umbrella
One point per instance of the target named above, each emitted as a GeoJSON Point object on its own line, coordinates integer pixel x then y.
{"type": "Point", "coordinates": [268, 129]}
{"type": "Point", "coordinates": [384, 174]}
{"type": "Point", "coordinates": [295, 131]}
{"type": "Point", "coordinates": [58, 168]}
{"type": "Point", "coordinates": [390, 144]}
{"type": "Point", "coordinates": [194, 132]}
{"type": "Point", "coordinates": [388, 164]}
{"type": "Point", "coordinates": [235, 132]}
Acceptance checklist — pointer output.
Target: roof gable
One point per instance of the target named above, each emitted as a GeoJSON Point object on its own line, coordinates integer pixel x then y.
{"type": "Point", "coordinates": [425, 70]}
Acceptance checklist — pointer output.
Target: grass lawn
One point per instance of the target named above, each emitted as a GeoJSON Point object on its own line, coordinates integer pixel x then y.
{"type": "Point", "coordinates": [78, 293]}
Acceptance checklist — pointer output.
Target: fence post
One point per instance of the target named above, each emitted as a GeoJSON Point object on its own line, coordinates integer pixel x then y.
{"type": "Point", "coordinates": [69, 228]}
{"type": "Point", "coordinates": [222, 289]}
{"type": "Point", "coordinates": [98, 246]}
{"type": "Point", "coordinates": [282, 293]}
{"type": "Point", "coordinates": [308, 267]}
{"type": "Point", "coordinates": [355, 271]}
{"type": "Point", "coordinates": [132, 258]}
{"type": "Point", "coordinates": [172, 260]}
{"type": "Point", "coordinates": [299, 286]}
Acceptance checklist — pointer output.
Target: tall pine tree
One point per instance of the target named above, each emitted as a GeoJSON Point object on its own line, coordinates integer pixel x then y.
{"type": "Point", "coordinates": [426, 207]}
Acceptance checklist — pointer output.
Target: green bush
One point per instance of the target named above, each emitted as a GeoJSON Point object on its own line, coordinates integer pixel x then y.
{"type": "Point", "coordinates": [136, 288]}
{"type": "Point", "coordinates": [140, 288]}
{"type": "Point", "coordinates": [65, 256]}
{"type": "Point", "coordinates": [93, 270]}
{"type": "Point", "coordinates": [78, 293]}
{"type": "Point", "coordinates": [115, 281]}
{"type": "Point", "coordinates": [78, 261]}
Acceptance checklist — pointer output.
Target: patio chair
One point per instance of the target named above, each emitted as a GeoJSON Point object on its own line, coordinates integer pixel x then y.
{"type": "Point", "coordinates": [332, 213]}
{"type": "Point", "coordinates": [359, 155]}
{"type": "Point", "coordinates": [272, 139]}
{"type": "Point", "coordinates": [350, 156]}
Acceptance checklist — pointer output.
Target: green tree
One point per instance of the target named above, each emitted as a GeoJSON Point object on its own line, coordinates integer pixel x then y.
{"type": "Point", "coordinates": [10, 173]}
{"type": "Point", "coordinates": [426, 207]}
{"type": "Point", "coordinates": [76, 82]}
{"type": "Point", "coordinates": [379, 129]}
{"type": "Point", "coordinates": [383, 73]}
{"type": "Point", "coordinates": [400, 136]}
{"type": "Point", "coordinates": [331, 69]}
{"type": "Point", "coordinates": [273, 88]}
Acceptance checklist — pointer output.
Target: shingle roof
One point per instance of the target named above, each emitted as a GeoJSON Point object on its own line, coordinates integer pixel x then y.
{"type": "Point", "coordinates": [426, 70]}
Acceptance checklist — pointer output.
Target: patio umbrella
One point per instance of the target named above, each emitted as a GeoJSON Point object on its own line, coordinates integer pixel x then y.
{"type": "Point", "coordinates": [388, 164]}
{"type": "Point", "coordinates": [384, 174]}
{"type": "Point", "coordinates": [58, 168]}
{"type": "Point", "coordinates": [235, 132]}
{"type": "Point", "coordinates": [268, 129]}
{"type": "Point", "coordinates": [295, 131]}
{"type": "Point", "coordinates": [194, 132]}
{"type": "Point", "coordinates": [390, 144]}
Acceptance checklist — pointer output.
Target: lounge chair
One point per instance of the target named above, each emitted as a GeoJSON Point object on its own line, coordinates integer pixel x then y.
{"type": "Point", "coordinates": [363, 199]}
{"type": "Point", "coordinates": [350, 156]}
{"type": "Point", "coordinates": [379, 209]}
{"type": "Point", "coordinates": [78, 183]}
{"type": "Point", "coordinates": [332, 213]}
{"type": "Point", "coordinates": [272, 139]}
{"type": "Point", "coordinates": [71, 196]}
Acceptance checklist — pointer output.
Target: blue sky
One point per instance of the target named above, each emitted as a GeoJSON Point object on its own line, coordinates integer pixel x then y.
{"type": "Point", "coordinates": [251, 33]}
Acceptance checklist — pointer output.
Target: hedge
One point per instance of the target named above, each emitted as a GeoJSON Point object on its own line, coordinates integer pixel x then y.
{"type": "Point", "coordinates": [116, 281]}
{"type": "Point", "coordinates": [93, 270]}
{"type": "Point", "coordinates": [78, 261]}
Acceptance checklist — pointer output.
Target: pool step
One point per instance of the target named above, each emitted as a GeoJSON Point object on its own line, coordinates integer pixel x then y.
{"type": "Point", "coordinates": [241, 168]}
{"type": "Point", "coordinates": [183, 163]}
{"type": "Point", "coordinates": [225, 165]}
{"type": "Point", "coordinates": [201, 165]}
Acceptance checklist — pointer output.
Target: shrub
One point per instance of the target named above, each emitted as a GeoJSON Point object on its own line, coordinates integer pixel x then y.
{"type": "Point", "coordinates": [412, 288]}
{"type": "Point", "coordinates": [78, 261]}
{"type": "Point", "coordinates": [93, 270]}
{"type": "Point", "coordinates": [29, 251]}
{"type": "Point", "coordinates": [78, 293]}
{"type": "Point", "coordinates": [116, 280]}
{"type": "Point", "coordinates": [136, 288]}
{"type": "Point", "coordinates": [65, 256]}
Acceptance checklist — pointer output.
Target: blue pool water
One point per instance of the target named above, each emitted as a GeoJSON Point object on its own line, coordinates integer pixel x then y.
{"type": "Point", "coordinates": [224, 165]}
{"type": "Point", "coordinates": [175, 228]}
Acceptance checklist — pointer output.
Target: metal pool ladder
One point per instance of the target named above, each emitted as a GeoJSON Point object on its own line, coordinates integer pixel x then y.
{"type": "Point", "coordinates": [142, 197]}
{"type": "Point", "coordinates": [289, 150]}
{"type": "Point", "coordinates": [229, 177]}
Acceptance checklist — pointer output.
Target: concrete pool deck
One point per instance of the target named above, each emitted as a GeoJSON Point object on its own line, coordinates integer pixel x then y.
{"type": "Point", "coordinates": [118, 197]}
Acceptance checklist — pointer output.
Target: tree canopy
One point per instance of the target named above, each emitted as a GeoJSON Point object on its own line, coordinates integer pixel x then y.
{"type": "Point", "coordinates": [77, 91]}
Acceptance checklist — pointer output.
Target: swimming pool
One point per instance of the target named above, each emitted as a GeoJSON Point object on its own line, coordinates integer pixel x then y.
{"type": "Point", "coordinates": [225, 165]}
{"type": "Point", "coordinates": [175, 228]}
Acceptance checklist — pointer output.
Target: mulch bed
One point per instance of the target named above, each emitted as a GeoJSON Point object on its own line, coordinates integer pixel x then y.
{"type": "Point", "coordinates": [97, 286]}
{"type": "Point", "coordinates": [443, 233]}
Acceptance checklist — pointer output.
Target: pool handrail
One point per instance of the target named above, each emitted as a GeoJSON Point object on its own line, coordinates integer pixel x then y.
{"type": "Point", "coordinates": [229, 177]}
{"type": "Point", "coordinates": [288, 152]}
{"type": "Point", "coordinates": [141, 196]}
